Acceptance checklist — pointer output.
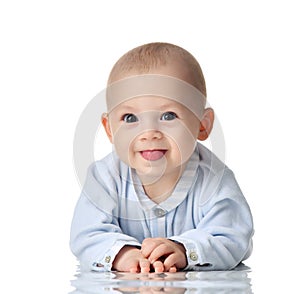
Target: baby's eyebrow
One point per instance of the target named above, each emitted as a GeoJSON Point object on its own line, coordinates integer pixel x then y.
{"type": "Point", "coordinates": [169, 105]}
{"type": "Point", "coordinates": [127, 108]}
{"type": "Point", "coordinates": [162, 107]}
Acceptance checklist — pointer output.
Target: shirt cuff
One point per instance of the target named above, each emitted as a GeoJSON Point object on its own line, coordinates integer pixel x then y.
{"type": "Point", "coordinates": [105, 264]}
{"type": "Point", "coordinates": [192, 254]}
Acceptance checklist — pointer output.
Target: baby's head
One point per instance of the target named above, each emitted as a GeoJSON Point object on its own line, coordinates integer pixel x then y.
{"type": "Point", "coordinates": [159, 58]}
{"type": "Point", "coordinates": [156, 108]}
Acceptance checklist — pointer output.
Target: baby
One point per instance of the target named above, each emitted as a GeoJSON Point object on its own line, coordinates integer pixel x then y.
{"type": "Point", "coordinates": [160, 201]}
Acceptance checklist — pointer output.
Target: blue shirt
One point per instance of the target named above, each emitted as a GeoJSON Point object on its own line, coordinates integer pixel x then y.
{"type": "Point", "coordinates": [206, 212]}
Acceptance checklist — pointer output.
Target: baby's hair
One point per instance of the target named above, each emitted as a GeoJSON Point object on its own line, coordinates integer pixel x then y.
{"type": "Point", "coordinates": [142, 59]}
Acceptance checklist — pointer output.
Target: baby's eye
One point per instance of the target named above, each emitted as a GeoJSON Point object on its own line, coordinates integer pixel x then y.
{"type": "Point", "coordinates": [168, 115]}
{"type": "Point", "coordinates": [129, 118]}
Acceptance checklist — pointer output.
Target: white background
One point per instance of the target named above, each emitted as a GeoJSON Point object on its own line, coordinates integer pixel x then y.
{"type": "Point", "coordinates": [56, 56]}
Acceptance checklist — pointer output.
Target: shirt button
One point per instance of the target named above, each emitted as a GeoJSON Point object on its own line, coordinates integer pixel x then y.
{"type": "Point", "coordinates": [193, 256]}
{"type": "Point", "coordinates": [107, 259]}
{"type": "Point", "coordinates": [159, 212]}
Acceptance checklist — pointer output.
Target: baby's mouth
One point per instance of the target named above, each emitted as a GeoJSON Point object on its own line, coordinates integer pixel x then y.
{"type": "Point", "coordinates": [153, 155]}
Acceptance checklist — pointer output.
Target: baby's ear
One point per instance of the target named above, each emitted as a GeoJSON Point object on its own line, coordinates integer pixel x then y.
{"type": "Point", "coordinates": [105, 123]}
{"type": "Point", "coordinates": [206, 124]}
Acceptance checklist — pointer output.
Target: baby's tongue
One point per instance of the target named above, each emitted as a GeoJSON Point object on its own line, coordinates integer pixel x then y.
{"type": "Point", "coordinates": [153, 154]}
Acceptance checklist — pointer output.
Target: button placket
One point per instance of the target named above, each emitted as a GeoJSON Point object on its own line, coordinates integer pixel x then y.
{"type": "Point", "coordinates": [160, 220]}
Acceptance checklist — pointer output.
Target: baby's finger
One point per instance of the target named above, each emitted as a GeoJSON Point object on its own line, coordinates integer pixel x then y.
{"type": "Point", "coordinates": [133, 270]}
{"type": "Point", "coordinates": [144, 265]}
{"type": "Point", "coordinates": [158, 266]}
{"type": "Point", "coordinates": [170, 262]}
{"type": "Point", "coordinates": [159, 251]}
{"type": "Point", "coordinates": [148, 246]}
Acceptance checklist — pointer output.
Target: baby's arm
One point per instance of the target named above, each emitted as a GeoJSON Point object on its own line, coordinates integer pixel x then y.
{"type": "Point", "coordinates": [164, 254]}
{"type": "Point", "coordinates": [223, 237]}
{"type": "Point", "coordinates": [96, 238]}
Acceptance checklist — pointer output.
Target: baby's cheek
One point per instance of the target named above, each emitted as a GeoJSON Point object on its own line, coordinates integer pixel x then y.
{"type": "Point", "coordinates": [183, 140]}
{"type": "Point", "coordinates": [123, 141]}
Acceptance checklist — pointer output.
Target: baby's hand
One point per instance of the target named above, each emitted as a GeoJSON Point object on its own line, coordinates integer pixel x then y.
{"type": "Point", "coordinates": [164, 254]}
{"type": "Point", "coordinates": [130, 259]}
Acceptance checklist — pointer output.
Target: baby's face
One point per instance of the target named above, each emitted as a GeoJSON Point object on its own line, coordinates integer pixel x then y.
{"type": "Point", "coordinates": [154, 119]}
{"type": "Point", "coordinates": [153, 135]}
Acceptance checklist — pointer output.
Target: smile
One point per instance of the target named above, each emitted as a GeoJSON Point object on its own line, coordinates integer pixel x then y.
{"type": "Point", "coordinates": [153, 155]}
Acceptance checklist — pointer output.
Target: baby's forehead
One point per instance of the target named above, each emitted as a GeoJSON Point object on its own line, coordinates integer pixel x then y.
{"type": "Point", "coordinates": [149, 102]}
{"type": "Point", "coordinates": [154, 85]}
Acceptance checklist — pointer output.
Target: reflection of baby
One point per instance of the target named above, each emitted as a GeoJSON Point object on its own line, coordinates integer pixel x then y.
{"type": "Point", "coordinates": [161, 201]}
{"type": "Point", "coordinates": [147, 278]}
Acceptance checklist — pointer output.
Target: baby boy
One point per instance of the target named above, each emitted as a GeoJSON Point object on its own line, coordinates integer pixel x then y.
{"type": "Point", "coordinates": [160, 201]}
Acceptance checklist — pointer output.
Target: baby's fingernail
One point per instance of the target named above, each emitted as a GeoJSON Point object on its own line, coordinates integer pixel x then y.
{"type": "Point", "coordinates": [173, 269]}
{"type": "Point", "coordinates": [145, 270]}
{"type": "Point", "coordinates": [159, 270]}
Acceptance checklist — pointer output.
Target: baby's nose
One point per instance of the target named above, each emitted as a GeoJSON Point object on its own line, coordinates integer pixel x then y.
{"type": "Point", "coordinates": [149, 135]}
{"type": "Point", "coordinates": [149, 126]}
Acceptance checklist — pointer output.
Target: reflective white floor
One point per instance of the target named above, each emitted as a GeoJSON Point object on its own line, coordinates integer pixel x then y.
{"type": "Point", "coordinates": [236, 281]}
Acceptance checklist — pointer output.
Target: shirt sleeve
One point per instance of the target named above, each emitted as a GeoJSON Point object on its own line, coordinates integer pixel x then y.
{"type": "Point", "coordinates": [223, 237]}
{"type": "Point", "coordinates": [96, 237]}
